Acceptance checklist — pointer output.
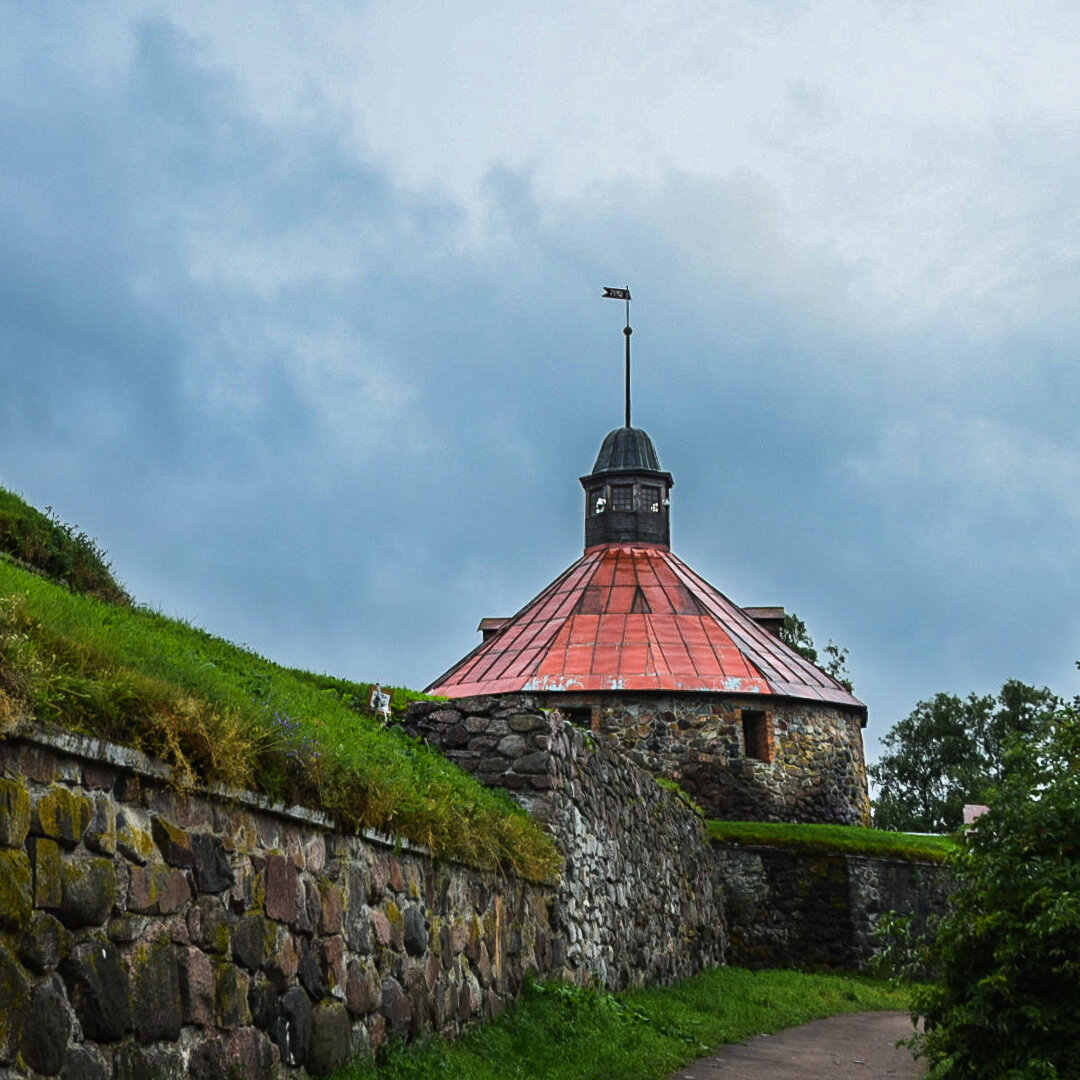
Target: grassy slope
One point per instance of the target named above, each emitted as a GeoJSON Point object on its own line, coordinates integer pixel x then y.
{"type": "Point", "coordinates": [558, 1032]}
{"type": "Point", "coordinates": [825, 839]}
{"type": "Point", "coordinates": [220, 712]}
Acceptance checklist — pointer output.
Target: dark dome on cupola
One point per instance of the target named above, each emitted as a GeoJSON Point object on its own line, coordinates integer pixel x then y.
{"type": "Point", "coordinates": [626, 448]}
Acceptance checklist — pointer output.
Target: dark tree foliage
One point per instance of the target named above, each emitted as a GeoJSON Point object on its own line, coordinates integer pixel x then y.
{"type": "Point", "coordinates": [1005, 1003]}
{"type": "Point", "coordinates": [948, 752]}
{"type": "Point", "coordinates": [795, 634]}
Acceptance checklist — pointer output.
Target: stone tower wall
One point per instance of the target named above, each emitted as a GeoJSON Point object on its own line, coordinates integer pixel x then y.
{"type": "Point", "coordinates": [817, 772]}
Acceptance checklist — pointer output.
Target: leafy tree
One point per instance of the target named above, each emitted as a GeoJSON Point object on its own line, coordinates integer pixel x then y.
{"type": "Point", "coordinates": [1004, 1006]}
{"type": "Point", "coordinates": [950, 751]}
{"type": "Point", "coordinates": [795, 634]}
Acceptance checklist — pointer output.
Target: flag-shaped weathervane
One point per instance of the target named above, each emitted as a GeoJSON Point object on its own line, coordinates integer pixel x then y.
{"type": "Point", "coordinates": [610, 293]}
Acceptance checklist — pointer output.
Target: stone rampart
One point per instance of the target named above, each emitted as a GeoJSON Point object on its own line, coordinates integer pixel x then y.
{"type": "Point", "coordinates": [151, 933]}
{"type": "Point", "coordinates": [146, 933]}
{"type": "Point", "coordinates": [792, 908]}
{"type": "Point", "coordinates": [640, 900]}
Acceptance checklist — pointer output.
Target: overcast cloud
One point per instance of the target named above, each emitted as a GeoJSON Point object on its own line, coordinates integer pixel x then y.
{"type": "Point", "coordinates": [300, 314]}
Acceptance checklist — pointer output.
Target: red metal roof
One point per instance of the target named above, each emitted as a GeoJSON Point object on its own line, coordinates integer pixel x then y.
{"type": "Point", "coordinates": [633, 617]}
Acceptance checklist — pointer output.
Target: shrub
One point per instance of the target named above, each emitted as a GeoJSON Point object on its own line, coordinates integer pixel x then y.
{"type": "Point", "coordinates": [60, 552]}
{"type": "Point", "coordinates": [1008, 953]}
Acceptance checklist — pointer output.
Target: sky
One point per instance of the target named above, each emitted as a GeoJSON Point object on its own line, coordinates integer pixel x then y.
{"type": "Point", "coordinates": [300, 313]}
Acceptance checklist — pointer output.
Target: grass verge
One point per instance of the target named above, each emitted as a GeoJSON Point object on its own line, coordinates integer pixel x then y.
{"type": "Point", "coordinates": [833, 839]}
{"type": "Point", "coordinates": [219, 712]}
{"type": "Point", "coordinates": [559, 1032]}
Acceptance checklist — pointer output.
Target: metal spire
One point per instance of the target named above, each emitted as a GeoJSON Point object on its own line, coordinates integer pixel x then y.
{"type": "Point", "coordinates": [623, 294]}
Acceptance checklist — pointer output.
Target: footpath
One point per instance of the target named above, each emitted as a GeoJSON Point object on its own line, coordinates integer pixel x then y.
{"type": "Point", "coordinates": [854, 1046]}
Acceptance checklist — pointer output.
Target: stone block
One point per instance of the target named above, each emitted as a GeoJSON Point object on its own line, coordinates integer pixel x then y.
{"type": "Point", "coordinates": [396, 1008]}
{"type": "Point", "coordinates": [249, 1053]}
{"type": "Point", "coordinates": [511, 746]}
{"type": "Point", "coordinates": [332, 960]}
{"type": "Point", "coordinates": [47, 1028]}
{"type": "Point", "coordinates": [209, 926]}
{"type": "Point", "coordinates": [332, 911]}
{"type": "Point", "coordinates": [98, 776]}
{"type": "Point", "coordinates": [44, 943]}
{"type": "Point", "coordinates": [311, 975]}
{"type": "Point", "coordinates": [380, 928]}
{"type": "Point", "coordinates": [15, 995]}
{"type": "Point", "coordinates": [45, 861]}
{"type": "Point", "coordinates": [363, 991]}
{"type": "Point", "coordinates": [330, 1032]}
{"type": "Point", "coordinates": [157, 890]}
{"type": "Point", "coordinates": [98, 988]}
{"type": "Point", "coordinates": [197, 988]}
{"type": "Point", "coordinates": [263, 1002]}
{"type": "Point", "coordinates": [526, 722]}
{"type": "Point", "coordinates": [284, 892]}
{"type": "Point", "coordinates": [16, 889]}
{"type": "Point", "coordinates": [285, 957]}
{"type": "Point", "coordinates": [230, 996]}
{"type": "Point", "coordinates": [253, 938]}
{"type": "Point", "coordinates": [156, 1004]}
{"type": "Point", "coordinates": [293, 1029]}
{"type": "Point", "coordinates": [531, 764]}
{"type": "Point", "coordinates": [88, 891]}
{"type": "Point", "coordinates": [100, 835]}
{"type": "Point", "coordinates": [14, 813]}
{"type": "Point", "coordinates": [210, 864]}
{"type": "Point", "coordinates": [82, 1062]}
{"type": "Point", "coordinates": [62, 815]}
{"type": "Point", "coordinates": [161, 1062]}
{"type": "Point", "coordinates": [173, 843]}
{"type": "Point", "coordinates": [416, 934]}
{"type": "Point", "coordinates": [133, 840]}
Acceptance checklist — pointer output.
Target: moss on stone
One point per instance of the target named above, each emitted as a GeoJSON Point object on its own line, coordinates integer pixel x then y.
{"type": "Point", "coordinates": [16, 892]}
{"type": "Point", "coordinates": [63, 814]}
{"type": "Point", "coordinates": [14, 813]}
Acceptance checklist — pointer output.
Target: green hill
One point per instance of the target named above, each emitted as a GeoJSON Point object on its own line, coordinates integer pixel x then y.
{"type": "Point", "coordinates": [218, 712]}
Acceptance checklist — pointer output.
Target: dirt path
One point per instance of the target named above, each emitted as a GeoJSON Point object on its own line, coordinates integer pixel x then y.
{"type": "Point", "coordinates": [855, 1046]}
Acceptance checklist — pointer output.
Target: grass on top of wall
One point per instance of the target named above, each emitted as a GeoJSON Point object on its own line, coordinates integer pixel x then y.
{"type": "Point", "coordinates": [833, 839]}
{"type": "Point", "coordinates": [219, 712]}
{"type": "Point", "coordinates": [559, 1032]}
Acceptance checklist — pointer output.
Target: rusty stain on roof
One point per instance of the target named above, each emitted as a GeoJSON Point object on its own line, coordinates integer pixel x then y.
{"type": "Point", "coordinates": [635, 617]}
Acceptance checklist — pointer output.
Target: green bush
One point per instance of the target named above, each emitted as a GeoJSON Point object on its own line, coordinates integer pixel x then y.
{"type": "Point", "coordinates": [1008, 953]}
{"type": "Point", "coordinates": [45, 544]}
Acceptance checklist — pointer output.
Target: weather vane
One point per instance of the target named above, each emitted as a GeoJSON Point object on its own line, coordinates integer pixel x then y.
{"type": "Point", "coordinates": [622, 294]}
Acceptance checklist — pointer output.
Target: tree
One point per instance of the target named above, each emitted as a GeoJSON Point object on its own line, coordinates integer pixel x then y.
{"type": "Point", "coordinates": [795, 634]}
{"type": "Point", "coordinates": [1007, 955]}
{"type": "Point", "coordinates": [947, 752]}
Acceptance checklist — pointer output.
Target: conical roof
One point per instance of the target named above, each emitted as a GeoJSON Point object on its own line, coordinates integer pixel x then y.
{"type": "Point", "coordinates": [629, 618]}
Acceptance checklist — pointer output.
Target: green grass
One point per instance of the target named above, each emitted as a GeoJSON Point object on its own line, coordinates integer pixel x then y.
{"type": "Point", "coordinates": [828, 839]}
{"type": "Point", "coordinates": [558, 1032]}
{"type": "Point", "coordinates": [219, 712]}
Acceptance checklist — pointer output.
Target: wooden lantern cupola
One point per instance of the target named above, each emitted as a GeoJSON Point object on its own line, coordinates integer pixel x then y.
{"type": "Point", "coordinates": [627, 494]}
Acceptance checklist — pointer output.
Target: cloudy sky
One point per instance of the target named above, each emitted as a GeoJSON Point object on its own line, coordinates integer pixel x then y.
{"type": "Point", "coordinates": [299, 312]}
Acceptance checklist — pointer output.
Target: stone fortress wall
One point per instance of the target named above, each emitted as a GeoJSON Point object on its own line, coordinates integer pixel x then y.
{"type": "Point", "coordinates": [146, 932]}
{"type": "Point", "coordinates": [809, 764]}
